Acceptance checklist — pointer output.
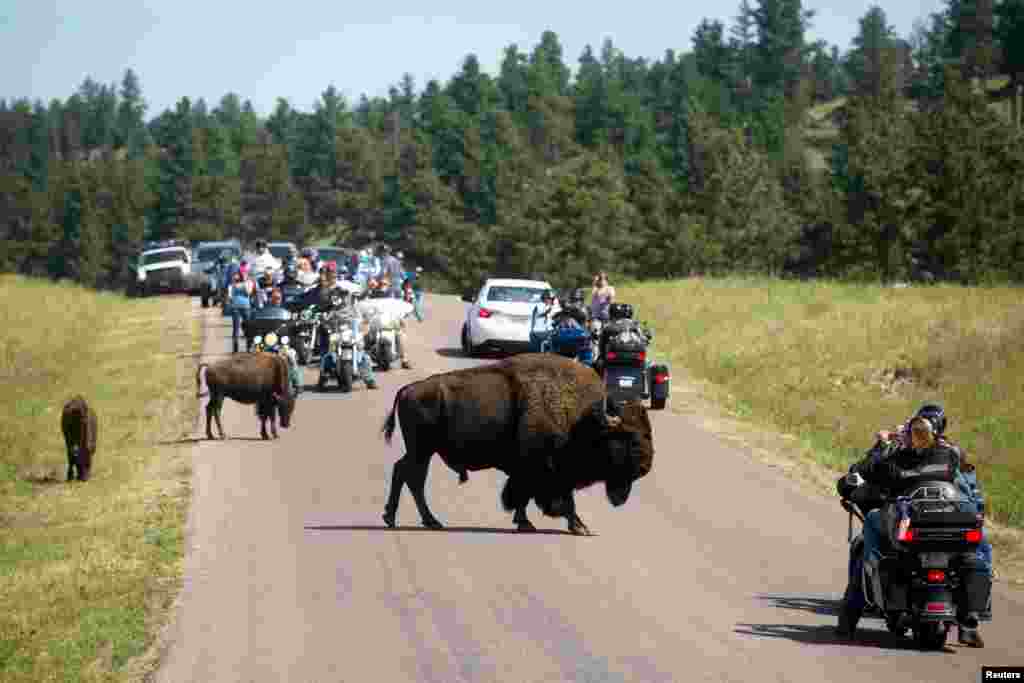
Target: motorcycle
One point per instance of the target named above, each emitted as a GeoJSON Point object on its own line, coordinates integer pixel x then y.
{"type": "Point", "coordinates": [341, 361]}
{"type": "Point", "coordinates": [385, 316]}
{"type": "Point", "coordinates": [914, 584]}
{"type": "Point", "coordinates": [570, 340]}
{"type": "Point", "coordinates": [623, 363]}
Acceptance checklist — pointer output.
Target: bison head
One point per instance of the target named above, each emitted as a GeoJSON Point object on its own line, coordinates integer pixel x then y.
{"type": "Point", "coordinates": [628, 445]}
{"type": "Point", "coordinates": [285, 407]}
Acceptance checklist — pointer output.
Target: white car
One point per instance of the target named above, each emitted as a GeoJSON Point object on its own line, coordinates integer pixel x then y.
{"type": "Point", "coordinates": [500, 314]}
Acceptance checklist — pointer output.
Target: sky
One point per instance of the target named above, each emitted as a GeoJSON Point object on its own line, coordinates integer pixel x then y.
{"type": "Point", "coordinates": [297, 49]}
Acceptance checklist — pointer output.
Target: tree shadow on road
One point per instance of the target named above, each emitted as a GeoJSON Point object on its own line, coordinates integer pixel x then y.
{"type": "Point", "coordinates": [447, 529]}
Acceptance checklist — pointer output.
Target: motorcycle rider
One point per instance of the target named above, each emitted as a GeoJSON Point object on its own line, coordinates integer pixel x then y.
{"type": "Point", "coordinates": [893, 467]}
{"type": "Point", "coordinates": [542, 314]}
{"type": "Point", "coordinates": [264, 259]}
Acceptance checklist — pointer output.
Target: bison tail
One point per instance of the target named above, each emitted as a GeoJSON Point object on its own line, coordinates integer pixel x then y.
{"type": "Point", "coordinates": [389, 422]}
{"type": "Point", "coordinates": [199, 379]}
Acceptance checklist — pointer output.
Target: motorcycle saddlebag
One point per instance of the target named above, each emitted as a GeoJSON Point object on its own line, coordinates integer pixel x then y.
{"type": "Point", "coordinates": [660, 390]}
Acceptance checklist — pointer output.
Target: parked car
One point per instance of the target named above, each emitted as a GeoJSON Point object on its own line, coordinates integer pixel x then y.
{"type": "Point", "coordinates": [340, 255]}
{"type": "Point", "coordinates": [165, 267]}
{"type": "Point", "coordinates": [499, 315]}
{"type": "Point", "coordinates": [204, 257]}
{"type": "Point", "coordinates": [279, 250]}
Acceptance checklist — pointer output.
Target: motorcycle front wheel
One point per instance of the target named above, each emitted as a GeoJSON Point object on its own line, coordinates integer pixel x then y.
{"type": "Point", "coordinates": [345, 377]}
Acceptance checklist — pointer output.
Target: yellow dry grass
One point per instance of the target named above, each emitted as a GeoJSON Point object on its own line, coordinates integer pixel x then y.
{"type": "Point", "coordinates": [89, 570]}
{"type": "Point", "coordinates": [826, 365]}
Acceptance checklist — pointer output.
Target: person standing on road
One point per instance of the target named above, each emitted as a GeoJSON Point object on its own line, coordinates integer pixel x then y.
{"type": "Point", "coordinates": [240, 298]}
{"type": "Point", "coordinates": [602, 295]}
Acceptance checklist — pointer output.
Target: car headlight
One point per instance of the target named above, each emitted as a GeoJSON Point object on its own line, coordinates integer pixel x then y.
{"type": "Point", "coordinates": [271, 339]}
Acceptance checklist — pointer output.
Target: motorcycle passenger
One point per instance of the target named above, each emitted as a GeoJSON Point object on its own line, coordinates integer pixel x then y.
{"type": "Point", "coordinates": [602, 296]}
{"type": "Point", "coordinates": [264, 259]}
{"type": "Point", "coordinates": [391, 269]}
{"type": "Point", "coordinates": [892, 469]}
{"type": "Point", "coordinates": [241, 294]}
{"type": "Point", "coordinates": [967, 481]}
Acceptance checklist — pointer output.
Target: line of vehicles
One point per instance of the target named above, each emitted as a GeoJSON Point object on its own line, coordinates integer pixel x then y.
{"type": "Point", "coordinates": [512, 315]}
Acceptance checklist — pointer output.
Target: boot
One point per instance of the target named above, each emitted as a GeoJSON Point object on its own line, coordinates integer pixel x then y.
{"type": "Point", "coordinates": [968, 634]}
{"type": "Point", "coordinates": [848, 618]}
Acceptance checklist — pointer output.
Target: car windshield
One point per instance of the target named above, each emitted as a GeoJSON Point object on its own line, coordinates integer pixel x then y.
{"type": "Point", "coordinates": [279, 252]}
{"type": "Point", "coordinates": [211, 253]}
{"type": "Point", "coordinates": [515, 295]}
{"type": "Point", "coordinates": [163, 256]}
{"type": "Point", "coordinates": [326, 254]}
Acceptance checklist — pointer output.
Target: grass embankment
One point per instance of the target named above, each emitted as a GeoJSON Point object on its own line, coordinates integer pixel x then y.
{"type": "Point", "coordinates": [89, 570]}
{"type": "Point", "coordinates": [831, 364]}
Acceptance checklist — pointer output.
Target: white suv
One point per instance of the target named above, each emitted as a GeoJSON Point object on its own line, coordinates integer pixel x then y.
{"type": "Point", "coordinates": [164, 267]}
{"type": "Point", "coordinates": [500, 314]}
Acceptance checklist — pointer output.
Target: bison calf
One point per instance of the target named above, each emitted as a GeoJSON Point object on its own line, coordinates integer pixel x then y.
{"type": "Point", "coordinates": [78, 423]}
{"type": "Point", "coordinates": [260, 378]}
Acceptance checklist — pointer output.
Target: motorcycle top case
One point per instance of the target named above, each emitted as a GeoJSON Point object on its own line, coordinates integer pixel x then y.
{"type": "Point", "coordinates": [624, 383]}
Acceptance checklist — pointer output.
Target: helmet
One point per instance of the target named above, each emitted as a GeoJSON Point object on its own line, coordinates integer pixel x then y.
{"type": "Point", "coordinates": [934, 413]}
{"type": "Point", "coordinates": [548, 295]}
{"type": "Point", "coordinates": [620, 311]}
{"type": "Point", "coordinates": [308, 252]}
{"type": "Point", "coordinates": [261, 244]}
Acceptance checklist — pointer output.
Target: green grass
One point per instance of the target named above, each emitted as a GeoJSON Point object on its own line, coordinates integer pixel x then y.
{"type": "Point", "coordinates": [833, 363]}
{"type": "Point", "coordinates": [88, 570]}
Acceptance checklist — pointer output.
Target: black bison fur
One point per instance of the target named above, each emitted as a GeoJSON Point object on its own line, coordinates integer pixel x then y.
{"type": "Point", "coordinates": [249, 378]}
{"type": "Point", "coordinates": [78, 422]}
{"type": "Point", "coordinates": [540, 418]}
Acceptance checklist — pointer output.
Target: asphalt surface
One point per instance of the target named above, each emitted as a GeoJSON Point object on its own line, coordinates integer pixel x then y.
{"type": "Point", "coordinates": [716, 569]}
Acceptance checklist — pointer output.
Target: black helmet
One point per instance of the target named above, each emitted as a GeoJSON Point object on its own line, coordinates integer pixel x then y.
{"type": "Point", "coordinates": [934, 413]}
{"type": "Point", "coordinates": [620, 311]}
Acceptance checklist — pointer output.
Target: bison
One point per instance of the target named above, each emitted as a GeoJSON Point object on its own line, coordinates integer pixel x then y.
{"type": "Point", "coordinates": [78, 422]}
{"type": "Point", "coordinates": [540, 418]}
{"type": "Point", "coordinates": [260, 378]}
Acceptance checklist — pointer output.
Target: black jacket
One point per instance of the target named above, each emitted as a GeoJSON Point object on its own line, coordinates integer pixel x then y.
{"type": "Point", "coordinates": [899, 470]}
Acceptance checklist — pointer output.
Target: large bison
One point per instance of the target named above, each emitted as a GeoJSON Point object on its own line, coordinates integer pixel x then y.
{"type": "Point", "coordinates": [539, 418]}
{"type": "Point", "coordinates": [78, 423]}
{"type": "Point", "coordinates": [260, 378]}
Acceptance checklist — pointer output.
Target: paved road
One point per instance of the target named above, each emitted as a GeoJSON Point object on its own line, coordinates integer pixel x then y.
{"type": "Point", "coordinates": [716, 569]}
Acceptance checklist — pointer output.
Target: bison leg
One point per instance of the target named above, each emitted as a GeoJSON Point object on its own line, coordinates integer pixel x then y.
{"type": "Point", "coordinates": [397, 482]}
{"type": "Point", "coordinates": [273, 423]}
{"type": "Point", "coordinates": [72, 461]}
{"type": "Point", "coordinates": [522, 521]}
{"type": "Point", "coordinates": [576, 525]}
{"type": "Point", "coordinates": [213, 409]}
{"type": "Point", "coordinates": [416, 479]}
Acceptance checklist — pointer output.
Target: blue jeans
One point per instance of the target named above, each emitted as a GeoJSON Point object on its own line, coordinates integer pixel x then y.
{"type": "Point", "coordinates": [238, 314]}
{"type": "Point", "coordinates": [418, 305]}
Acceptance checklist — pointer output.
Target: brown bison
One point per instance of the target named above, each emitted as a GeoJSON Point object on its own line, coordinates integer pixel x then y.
{"type": "Point", "coordinates": [78, 423]}
{"type": "Point", "coordinates": [260, 378]}
{"type": "Point", "coordinates": [539, 418]}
